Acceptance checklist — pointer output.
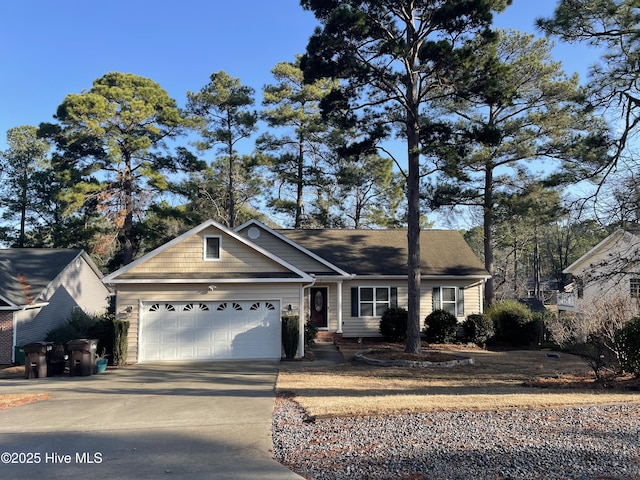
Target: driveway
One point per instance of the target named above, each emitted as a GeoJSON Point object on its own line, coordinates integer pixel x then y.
{"type": "Point", "coordinates": [192, 420]}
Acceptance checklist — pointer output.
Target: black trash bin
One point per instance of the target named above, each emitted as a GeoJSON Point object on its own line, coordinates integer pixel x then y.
{"type": "Point", "coordinates": [35, 359]}
{"type": "Point", "coordinates": [82, 356]}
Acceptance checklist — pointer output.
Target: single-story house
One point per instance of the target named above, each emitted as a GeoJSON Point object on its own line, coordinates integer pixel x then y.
{"type": "Point", "coordinates": [611, 268]}
{"type": "Point", "coordinates": [217, 293]}
{"type": "Point", "coordinates": [38, 289]}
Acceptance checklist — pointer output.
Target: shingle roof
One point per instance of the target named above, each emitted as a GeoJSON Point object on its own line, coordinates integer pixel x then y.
{"type": "Point", "coordinates": [26, 272]}
{"type": "Point", "coordinates": [384, 252]}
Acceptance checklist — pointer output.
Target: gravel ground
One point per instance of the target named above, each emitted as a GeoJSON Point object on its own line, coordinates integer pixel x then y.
{"type": "Point", "coordinates": [599, 442]}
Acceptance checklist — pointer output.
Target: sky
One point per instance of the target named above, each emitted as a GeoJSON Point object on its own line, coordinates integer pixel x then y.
{"type": "Point", "coordinates": [49, 49]}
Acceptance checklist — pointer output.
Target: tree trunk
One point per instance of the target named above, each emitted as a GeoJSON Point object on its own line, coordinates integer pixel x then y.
{"type": "Point", "coordinates": [489, 292]}
{"type": "Point", "coordinates": [300, 190]}
{"type": "Point", "coordinates": [127, 227]}
{"type": "Point", "coordinates": [412, 343]}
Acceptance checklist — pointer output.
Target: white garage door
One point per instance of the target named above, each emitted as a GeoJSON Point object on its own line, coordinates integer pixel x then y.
{"type": "Point", "coordinates": [223, 330]}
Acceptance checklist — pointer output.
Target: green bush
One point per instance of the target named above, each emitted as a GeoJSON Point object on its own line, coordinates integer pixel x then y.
{"type": "Point", "coordinates": [440, 326]}
{"type": "Point", "coordinates": [393, 324]}
{"type": "Point", "coordinates": [82, 325]}
{"type": "Point", "coordinates": [290, 335]}
{"type": "Point", "coordinates": [120, 341]}
{"type": "Point", "coordinates": [76, 326]}
{"type": "Point", "coordinates": [514, 323]}
{"type": "Point", "coordinates": [310, 332]}
{"type": "Point", "coordinates": [628, 338]}
{"type": "Point", "coordinates": [478, 329]}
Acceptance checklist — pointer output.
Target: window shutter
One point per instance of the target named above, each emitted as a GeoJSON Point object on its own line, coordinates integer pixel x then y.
{"type": "Point", "coordinates": [460, 306]}
{"type": "Point", "coordinates": [394, 297]}
{"type": "Point", "coordinates": [435, 296]}
{"type": "Point", "coordinates": [354, 301]}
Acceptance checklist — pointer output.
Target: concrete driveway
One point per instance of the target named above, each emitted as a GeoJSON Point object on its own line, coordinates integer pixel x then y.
{"type": "Point", "coordinates": [195, 420]}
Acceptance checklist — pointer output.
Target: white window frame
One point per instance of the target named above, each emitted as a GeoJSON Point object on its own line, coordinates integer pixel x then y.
{"type": "Point", "coordinates": [373, 302]}
{"type": "Point", "coordinates": [456, 297]}
{"type": "Point", "coordinates": [205, 250]}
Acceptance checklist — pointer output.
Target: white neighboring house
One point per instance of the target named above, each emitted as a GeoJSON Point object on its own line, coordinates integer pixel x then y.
{"type": "Point", "coordinates": [611, 268]}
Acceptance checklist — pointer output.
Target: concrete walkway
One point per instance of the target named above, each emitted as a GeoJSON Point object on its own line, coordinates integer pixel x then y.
{"type": "Point", "coordinates": [189, 421]}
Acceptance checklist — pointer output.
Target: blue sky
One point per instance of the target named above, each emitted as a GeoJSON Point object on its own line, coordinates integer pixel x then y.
{"type": "Point", "coordinates": [49, 49]}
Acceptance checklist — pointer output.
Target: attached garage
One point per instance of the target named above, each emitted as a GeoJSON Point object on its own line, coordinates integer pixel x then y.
{"type": "Point", "coordinates": [206, 330]}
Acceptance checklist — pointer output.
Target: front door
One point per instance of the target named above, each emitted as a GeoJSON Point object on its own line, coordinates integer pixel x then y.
{"type": "Point", "coordinates": [318, 303]}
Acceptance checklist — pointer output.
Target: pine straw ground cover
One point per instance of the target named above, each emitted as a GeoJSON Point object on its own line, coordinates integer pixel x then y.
{"type": "Point", "coordinates": [496, 380]}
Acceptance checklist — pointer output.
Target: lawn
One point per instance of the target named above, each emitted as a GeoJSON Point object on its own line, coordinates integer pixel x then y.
{"type": "Point", "coordinates": [496, 380]}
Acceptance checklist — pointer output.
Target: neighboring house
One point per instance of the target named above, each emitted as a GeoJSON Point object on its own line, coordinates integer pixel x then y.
{"type": "Point", "coordinates": [611, 268]}
{"type": "Point", "coordinates": [216, 293]}
{"type": "Point", "coordinates": [38, 289]}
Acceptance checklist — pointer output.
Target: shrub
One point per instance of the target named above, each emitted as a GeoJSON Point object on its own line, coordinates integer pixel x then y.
{"type": "Point", "coordinates": [478, 329]}
{"type": "Point", "coordinates": [82, 325]}
{"type": "Point", "coordinates": [393, 324]}
{"type": "Point", "coordinates": [629, 341]}
{"type": "Point", "coordinates": [76, 326]}
{"type": "Point", "coordinates": [310, 332]}
{"type": "Point", "coordinates": [120, 341]}
{"type": "Point", "coordinates": [290, 335]}
{"type": "Point", "coordinates": [440, 326]}
{"type": "Point", "coordinates": [513, 323]}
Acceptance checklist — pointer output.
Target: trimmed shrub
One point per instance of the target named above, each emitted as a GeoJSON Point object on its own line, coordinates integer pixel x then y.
{"type": "Point", "coordinates": [393, 324]}
{"type": "Point", "coordinates": [513, 322]}
{"type": "Point", "coordinates": [290, 335]}
{"type": "Point", "coordinates": [120, 341]}
{"type": "Point", "coordinates": [628, 338]}
{"type": "Point", "coordinates": [478, 329]}
{"type": "Point", "coordinates": [440, 326]}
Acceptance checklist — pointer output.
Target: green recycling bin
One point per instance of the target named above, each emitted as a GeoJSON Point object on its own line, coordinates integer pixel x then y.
{"type": "Point", "coordinates": [82, 356]}
{"type": "Point", "coordinates": [18, 355]}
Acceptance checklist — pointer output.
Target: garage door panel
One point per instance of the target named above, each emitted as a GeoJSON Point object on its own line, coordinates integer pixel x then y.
{"type": "Point", "coordinates": [210, 330]}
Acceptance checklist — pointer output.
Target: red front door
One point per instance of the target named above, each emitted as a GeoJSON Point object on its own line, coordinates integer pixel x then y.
{"type": "Point", "coordinates": [318, 304]}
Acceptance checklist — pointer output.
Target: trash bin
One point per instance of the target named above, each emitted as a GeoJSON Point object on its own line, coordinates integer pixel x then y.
{"type": "Point", "coordinates": [82, 356]}
{"type": "Point", "coordinates": [18, 355]}
{"type": "Point", "coordinates": [35, 365]}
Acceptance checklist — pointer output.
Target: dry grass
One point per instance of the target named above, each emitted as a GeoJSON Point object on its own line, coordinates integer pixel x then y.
{"type": "Point", "coordinates": [496, 381]}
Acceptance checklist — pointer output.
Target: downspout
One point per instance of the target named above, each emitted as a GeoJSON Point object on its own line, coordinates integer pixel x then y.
{"type": "Point", "coordinates": [339, 286]}
{"type": "Point", "coordinates": [15, 337]}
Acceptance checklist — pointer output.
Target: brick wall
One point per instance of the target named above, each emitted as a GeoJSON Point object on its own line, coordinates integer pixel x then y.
{"type": "Point", "coordinates": [6, 337]}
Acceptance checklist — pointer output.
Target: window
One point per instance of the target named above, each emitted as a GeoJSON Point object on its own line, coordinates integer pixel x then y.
{"type": "Point", "coordinates": [374, 301]}
{"type": "Point", "coordinates": [212, 248]}
{"type": "Point", "coordinates": [450, 299]}
{"type": "Point", "coordinates": [634, 287]}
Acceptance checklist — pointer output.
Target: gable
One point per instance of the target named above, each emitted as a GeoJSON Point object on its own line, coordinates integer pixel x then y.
{"type": "Point", "coordinates": [618, 253]}
{"type": "Point", "coordinates": [25, 273]}
{"type": "Point", "coordinates": [183, 259]}
{"type": "Point", "coordinates": [287, 250]}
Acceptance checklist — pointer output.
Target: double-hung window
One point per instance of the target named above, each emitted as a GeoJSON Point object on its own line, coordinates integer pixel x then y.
{"type": "Point", "coordinates": [372, 301]}
{"type": "Point", "coordinates": [211, 248]}
{"type": "Point", "coordinates": [450, 299]}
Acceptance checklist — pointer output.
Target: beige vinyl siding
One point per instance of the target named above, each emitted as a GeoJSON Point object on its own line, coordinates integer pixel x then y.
{"type": "Point", "coordinates": [130, 295]}
{"type": "Point", "coordinates": [369, 326]}
{"type": "Point", "coordinates": [288, 253]}
{"type": "Point", "coordinates": [187, 257]}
